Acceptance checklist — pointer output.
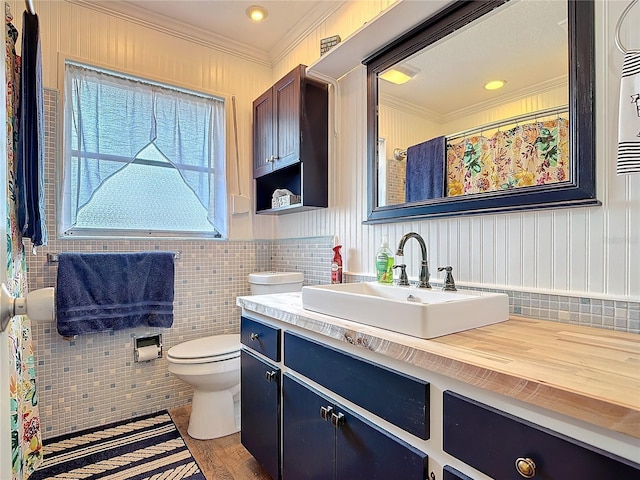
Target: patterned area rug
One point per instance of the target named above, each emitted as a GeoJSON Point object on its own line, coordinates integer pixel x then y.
{"type": "Point", "coordinates": [148, 447]}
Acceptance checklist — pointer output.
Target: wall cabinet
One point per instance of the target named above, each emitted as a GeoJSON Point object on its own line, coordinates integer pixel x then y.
{"type": "Point", "coordinates": [290, 142]}
{"type": "Point", "coordinates": [324, 440]}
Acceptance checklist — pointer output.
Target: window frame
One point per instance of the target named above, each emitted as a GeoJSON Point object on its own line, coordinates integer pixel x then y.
{"type": "Point", "coordinates": [64, 130]}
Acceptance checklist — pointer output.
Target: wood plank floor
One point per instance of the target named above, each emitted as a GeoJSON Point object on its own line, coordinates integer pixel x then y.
{"type": "Point", "coordinates": [221, 458]}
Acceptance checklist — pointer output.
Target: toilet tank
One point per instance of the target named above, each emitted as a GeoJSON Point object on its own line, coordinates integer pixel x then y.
{"type": "Point", "coordinates": [275, 282]}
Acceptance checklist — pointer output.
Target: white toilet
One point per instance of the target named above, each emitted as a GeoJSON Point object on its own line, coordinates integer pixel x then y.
{"type": "Point", "coordinates": [211, 365]}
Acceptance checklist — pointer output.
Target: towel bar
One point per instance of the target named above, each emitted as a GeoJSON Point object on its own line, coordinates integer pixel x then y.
{"type": "Point", "coordinates": [53, 257]}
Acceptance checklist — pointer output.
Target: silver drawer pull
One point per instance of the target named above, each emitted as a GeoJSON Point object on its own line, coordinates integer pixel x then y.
{"type": "Point", "coordinates": [254, 336]}
{"type": "Point", "coordinates": [337, 419]}
{"type": "Point", "coordinates": [325, 413]}
{"type": "Point", "coordinates": [526, 467]}
{"type": "Point", "coordinates": [271, 376]}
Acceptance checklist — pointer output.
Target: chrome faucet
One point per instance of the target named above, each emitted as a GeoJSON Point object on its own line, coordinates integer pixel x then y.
{"type": "Point", "coordinates": [424, 267]}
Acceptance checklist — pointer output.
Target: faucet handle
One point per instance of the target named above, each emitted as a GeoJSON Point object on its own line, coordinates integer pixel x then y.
{"type": "Point", "coordinates": [449, 283]}
{"type": "Point", "coordinates": [404, 280]}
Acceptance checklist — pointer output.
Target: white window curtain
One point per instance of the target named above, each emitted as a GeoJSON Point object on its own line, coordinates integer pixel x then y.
{"type": "Point", "coordinates": [110, 118]}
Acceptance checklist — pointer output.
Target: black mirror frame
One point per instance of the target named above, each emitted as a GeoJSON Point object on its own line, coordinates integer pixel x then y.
{"type": "Point", "coordinates": [580, 191]}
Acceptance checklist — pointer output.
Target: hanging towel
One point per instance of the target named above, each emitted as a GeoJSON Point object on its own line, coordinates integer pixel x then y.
{"type": "Point", "coordinates": [96, 292]}
{"type": "Point", "coordinates": [629, 123]}
{"type": "Point", "coordinates": [30, 164]}
{"type": "Point", "coordinates": [425, 170]}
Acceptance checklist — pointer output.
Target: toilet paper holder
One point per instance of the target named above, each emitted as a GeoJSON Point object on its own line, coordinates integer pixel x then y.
{"type": "Point", "coordinates": [147, 348]}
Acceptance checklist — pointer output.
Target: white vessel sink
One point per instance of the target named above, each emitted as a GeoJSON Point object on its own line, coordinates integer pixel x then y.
{"type": "Point", "coordinates": [413, 311]}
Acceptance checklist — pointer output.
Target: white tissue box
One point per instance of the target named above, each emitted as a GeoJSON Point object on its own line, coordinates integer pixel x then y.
{"type": "Point", "coordinates": [285, 201]}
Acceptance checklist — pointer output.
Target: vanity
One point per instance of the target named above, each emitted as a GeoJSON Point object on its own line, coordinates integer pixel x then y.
{"type": "Point", "coordinates": [324, 397]}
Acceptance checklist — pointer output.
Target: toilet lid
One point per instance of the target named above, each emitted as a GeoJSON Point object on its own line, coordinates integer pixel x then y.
{"type": "Point", "coordinates": [206, 347]}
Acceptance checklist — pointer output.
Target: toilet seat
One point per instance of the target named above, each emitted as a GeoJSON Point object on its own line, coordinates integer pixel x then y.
{"type": "Point", "coordinates": [216, 348]}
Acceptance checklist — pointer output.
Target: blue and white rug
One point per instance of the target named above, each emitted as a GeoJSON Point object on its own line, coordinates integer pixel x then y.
{"type": "Point", "coordinates": [148, 447]}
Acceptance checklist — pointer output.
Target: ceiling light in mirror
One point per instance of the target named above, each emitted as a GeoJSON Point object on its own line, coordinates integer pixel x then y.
{"type": "Point", "coordinates": [257, 13]}
{"type": "Point", "coordinates": [399, 75]}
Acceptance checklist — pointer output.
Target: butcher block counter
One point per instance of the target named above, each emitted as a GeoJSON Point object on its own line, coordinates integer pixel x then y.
{"type": "Point", "coordinates": [588, 374]}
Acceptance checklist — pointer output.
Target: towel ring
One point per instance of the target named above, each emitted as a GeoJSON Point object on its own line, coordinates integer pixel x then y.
{"type": "Point", "coordinates": [619, 26]}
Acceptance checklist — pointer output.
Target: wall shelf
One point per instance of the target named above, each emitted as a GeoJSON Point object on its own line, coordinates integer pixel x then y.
{"type": "Point", "coordinates": [402, 16]}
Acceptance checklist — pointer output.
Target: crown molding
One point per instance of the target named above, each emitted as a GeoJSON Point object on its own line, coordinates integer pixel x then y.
{"type": "Point", "coordinates": [295, 36]}
{"type": "Point", "coordinates": [175, 28]}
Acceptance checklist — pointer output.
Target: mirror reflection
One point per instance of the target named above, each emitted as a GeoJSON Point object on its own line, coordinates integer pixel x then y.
{"type": "Point", "coordinates": [445, 131]}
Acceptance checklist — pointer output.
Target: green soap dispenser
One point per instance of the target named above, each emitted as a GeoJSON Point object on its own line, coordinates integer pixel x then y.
{"type": "Point", "coordinates": [384, 262]}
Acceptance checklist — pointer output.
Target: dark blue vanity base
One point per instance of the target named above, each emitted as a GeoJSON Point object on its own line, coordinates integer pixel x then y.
{"type": "Point", "coordinates": [398, 398]}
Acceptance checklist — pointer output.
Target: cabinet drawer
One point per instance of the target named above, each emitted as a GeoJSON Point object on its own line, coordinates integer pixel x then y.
{"type": "Point", "coordinates": [450, 473]}
{"type": "Point", "coordinates": [398, 398]}
{"type": "Point", "coordinates": [492, 442]}
{"type": "Point", "coordinates": [260, 337]}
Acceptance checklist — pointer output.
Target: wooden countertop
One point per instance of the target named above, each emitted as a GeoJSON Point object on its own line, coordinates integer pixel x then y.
{"type": "Point", "coordinates": [586, 373]}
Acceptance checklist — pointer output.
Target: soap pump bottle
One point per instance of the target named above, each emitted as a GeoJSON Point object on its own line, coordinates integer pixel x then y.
{"type": "Point", "coordinates": [384, 262]}
{"type": "Point", "coordinates": [336, 263]}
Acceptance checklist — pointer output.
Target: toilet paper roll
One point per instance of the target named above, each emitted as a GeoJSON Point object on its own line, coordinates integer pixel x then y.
{"type": "Point", "coordinates": [149, 352]}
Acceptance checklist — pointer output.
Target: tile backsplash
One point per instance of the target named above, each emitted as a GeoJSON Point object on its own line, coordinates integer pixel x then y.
{"type": "Point", "coordinates": [623, 316]}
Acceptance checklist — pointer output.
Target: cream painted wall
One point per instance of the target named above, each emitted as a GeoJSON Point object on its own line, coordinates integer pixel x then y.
{"type": "Point", "coordinates": [584, 250]}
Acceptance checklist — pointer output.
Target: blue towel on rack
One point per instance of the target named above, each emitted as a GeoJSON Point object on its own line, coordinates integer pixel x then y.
{"type": "Point", "coordinates": [96, 292]}
{"type": "Point", "coordinates": [425, 170]}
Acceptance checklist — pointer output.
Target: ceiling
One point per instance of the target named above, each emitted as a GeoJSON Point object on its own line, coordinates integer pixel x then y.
{"type": "Point", "coordinates": [523, 42]}
{"type": "Point", "coordinates": [225, 23]}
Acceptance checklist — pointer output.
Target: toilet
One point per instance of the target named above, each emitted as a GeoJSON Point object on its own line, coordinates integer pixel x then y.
{"type": "Point", "coordinates": [211, 365]}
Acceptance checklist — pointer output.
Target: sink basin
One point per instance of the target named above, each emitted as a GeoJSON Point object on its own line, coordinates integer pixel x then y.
{"type": "Point", "coordinates": [413, 311]}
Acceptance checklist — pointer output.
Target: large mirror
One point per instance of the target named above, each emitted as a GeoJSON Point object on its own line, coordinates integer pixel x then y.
{"type": "Point", "coordinates": [441, 143]}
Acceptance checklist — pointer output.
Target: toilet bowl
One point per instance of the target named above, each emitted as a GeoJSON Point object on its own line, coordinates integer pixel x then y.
{"type": "Point", "coordinates": [211, 365]}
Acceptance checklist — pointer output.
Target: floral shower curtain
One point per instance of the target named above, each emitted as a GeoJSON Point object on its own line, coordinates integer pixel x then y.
{"type": "Point", "coordinates": [532, 154]}
{"type": "Point", "coordinates": [26, 439]}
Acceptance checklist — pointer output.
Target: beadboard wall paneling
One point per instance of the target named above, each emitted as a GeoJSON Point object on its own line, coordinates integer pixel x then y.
{"type": "Point", "coordinates": [584, 250]}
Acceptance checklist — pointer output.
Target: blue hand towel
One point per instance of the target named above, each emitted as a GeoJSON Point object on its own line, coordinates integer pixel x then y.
{"type": "Point", "coordinates": [425, 170]}
{"type": "Point", "coordinates": [96, 292]}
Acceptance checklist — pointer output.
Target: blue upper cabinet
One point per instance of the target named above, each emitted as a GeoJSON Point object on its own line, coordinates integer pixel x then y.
{"type": "Point", "coordinates": [290, 142]}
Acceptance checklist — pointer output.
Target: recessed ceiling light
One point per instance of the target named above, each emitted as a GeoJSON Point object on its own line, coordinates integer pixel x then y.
{"type": "Point", "coordinates": [495, 84]}
{"type": "Point", "coordinates": [399, 75]}
{"type": "Point", "coordinates": [257, 13]}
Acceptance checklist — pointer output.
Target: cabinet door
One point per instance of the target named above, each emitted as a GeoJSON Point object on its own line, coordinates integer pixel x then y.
{"type": "Point", "coordinates": [286, 98]}
{"type": "Point", "coordinates": [308, 441]}
{"type": "Point", "coordinates": [263, 134]}
{"type": "Point", "coordinates": [260, 411]}
{"type": "Point", "coordinates": [365, 451]}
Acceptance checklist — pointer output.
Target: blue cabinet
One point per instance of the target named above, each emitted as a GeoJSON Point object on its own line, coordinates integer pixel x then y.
{"type": "Point", "coordinates": [395, 396]}
{"type": "Point", "coordinates": [324, 440]}
{"type": "Point", "coordinates": [506, 447]}
{"type": "Point", "coordinates": [260, 411]}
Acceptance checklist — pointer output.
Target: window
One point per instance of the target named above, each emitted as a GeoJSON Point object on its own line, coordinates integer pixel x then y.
{"type": "Point", "coordinates": [140, 158]}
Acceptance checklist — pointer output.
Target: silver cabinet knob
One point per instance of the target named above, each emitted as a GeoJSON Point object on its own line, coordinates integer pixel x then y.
{"type": "Point", "coordinates": [254, 336]}
{"type": "Point", "coordinates": [271, 376]}
{"type": "Point", "coordinates": [325, 413]}
{"type": "Point", "coordinates": [337, 419]}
